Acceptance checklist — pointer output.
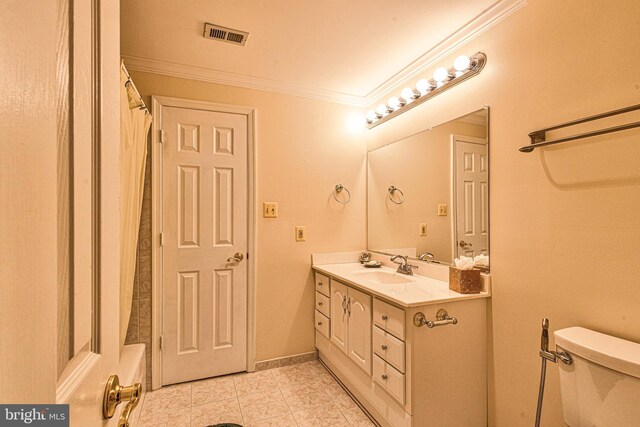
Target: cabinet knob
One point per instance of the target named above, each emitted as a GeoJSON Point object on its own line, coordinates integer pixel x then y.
{"type": "Point", "coordinates": [384, 317]}
{"type": "Point", "coordinates": [319, 283]}
{"type": "Point", "coordinates": [384, 347]}
{"type": "Point", "coordinates": [319, 302]}
{"type": "Point", "coordinates": [384, 376]}
{"type": "Point", "coordinates": [319, 323]}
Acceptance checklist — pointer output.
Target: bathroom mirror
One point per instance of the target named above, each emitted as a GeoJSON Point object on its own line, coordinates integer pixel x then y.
{"type": "Point", "coordinates": [428, 193]}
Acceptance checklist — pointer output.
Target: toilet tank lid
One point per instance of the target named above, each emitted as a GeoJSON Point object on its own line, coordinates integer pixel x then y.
{"type": "Point", "coordinates": [611, 352]}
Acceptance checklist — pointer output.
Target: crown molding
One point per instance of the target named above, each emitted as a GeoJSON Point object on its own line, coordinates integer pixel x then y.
{"type": "Point", "coordinates": [239, 80]}
{"type": "Point", "coordinates": [481, 23]}
{"type": "Point", "coordinates": [478, 25]}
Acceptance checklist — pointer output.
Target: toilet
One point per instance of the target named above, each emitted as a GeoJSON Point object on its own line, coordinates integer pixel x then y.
{"type": "Point", "coordinates": [601, 387]}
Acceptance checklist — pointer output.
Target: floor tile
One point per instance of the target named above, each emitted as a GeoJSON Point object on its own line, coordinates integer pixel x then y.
{"type": "Point", "coordinates": [262, 405]}
{"type": "Point", "coordinates": [169, 418]}
{"type": "Point", "coordinates": [167, 398]}
{"type": "Point", "coordinates": [279, 421]}
{"type": "Point", "coordinates": [305, 396]}
{"type": "Point", "coordinates": [321, 416]}
{"type": "Point", "coordinates": [212, 390]}
{"type": "Point", "coordinates": [356, 417]}
{"type": "Point", "coordinates": [224, 411]}
{"type": "Point", "coordinates": [254, 382]}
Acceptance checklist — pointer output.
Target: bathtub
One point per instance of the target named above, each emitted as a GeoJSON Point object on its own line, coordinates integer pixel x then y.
{"type": "Point", "coordinates": [133, 370]}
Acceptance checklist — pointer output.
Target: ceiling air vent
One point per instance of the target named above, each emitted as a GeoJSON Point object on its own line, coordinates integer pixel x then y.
{"type": "Point", "coordinates": [224, 34]}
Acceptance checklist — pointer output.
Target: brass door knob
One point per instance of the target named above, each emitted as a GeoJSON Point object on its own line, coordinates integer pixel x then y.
{"type": "Point", "coordinates": [236, 258]}
{"type": "Point", "coordinates": [115, 394]}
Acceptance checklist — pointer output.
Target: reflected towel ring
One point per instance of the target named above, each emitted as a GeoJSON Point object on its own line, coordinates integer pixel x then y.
{"type": "Point", "coordinates": [339, 188]}
{"type": "Point", "coordinates": [392, 189]}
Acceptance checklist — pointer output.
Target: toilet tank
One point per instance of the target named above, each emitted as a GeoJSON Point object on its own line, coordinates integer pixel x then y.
{"type": "Point", "coordinates": [601, 388]}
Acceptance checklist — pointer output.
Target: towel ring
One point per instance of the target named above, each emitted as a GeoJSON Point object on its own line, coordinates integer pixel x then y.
{"type": "Point", "coordinates": [339, 188]}
{"type": "Point", "coordinates": [392, 189]}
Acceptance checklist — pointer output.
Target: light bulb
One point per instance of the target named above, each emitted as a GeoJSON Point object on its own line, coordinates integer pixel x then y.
{"type": "Point", "coordinates": [423, 86]}
{"type": "Point", "coordinates": [462, 63]}
{"type": "Point", "coordinates": [407, 94]}
{"type": "Point", "coordinates": [371, 116]}
{"type": "Point", "coordinates": [394, 102]}
{"type": "Point", "coordinates": [440, 74]}
{"type": "Point", "coordinates": [381, 110]}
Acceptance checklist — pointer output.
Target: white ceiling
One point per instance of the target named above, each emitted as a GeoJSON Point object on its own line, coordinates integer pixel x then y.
{"type": "Point", "coordinates": [342, 50]}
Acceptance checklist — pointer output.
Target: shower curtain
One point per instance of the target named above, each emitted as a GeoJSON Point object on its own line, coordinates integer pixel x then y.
{"type": "Point", "coordinates": [134, 127]}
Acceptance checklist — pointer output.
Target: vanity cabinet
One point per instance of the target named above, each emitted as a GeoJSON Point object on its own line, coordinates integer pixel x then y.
{"type": "Point", "coordinates": [405, 375]}
{"type": "Point", "coordinates": [351, 323]}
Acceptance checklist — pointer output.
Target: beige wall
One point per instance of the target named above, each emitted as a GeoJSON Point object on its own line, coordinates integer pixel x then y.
{"type": "Point", "coordinates": [420, 166]}
{"type": "Point", "coordinates": [304, 148]}
{"type": "Point", "coordinates": [564, 222]}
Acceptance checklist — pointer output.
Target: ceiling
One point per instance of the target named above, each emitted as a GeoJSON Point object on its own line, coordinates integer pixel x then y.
{"type": "Point", "coordinates": [347, 51]}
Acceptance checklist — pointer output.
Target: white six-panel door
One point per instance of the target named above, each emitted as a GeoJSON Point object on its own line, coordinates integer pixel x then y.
{"type": "Point", "coordinates": [204, 224]}
{"type": "Point", "coordinates": [472, 196]}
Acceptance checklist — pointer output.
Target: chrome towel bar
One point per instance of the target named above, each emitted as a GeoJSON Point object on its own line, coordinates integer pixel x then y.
{"type": "Point", "coordinates": [538, 137]}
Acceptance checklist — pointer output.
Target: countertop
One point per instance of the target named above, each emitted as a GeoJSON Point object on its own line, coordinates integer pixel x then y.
{"type": "Point", "coordinates": [421, 291]}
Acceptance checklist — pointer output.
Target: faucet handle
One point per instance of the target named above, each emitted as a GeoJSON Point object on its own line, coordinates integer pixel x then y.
{"type": "Point", "coordinates": [412, 266]}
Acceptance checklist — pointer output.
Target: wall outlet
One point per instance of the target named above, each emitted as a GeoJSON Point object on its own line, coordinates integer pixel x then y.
{"type": "Point", "coordinates": [442, 210]}
{"type": "Point", "coordinates": [422, 229]}
{"type": "Point", "coordinates": [270, 209]}
{"type": "Point", "coordinates": [301, 233]}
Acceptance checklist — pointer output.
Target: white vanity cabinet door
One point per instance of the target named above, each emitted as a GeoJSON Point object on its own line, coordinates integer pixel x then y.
{"type": "Point", "coordinates": [339, 317]}
{"type": "Point", "coordinates": [359, 326]}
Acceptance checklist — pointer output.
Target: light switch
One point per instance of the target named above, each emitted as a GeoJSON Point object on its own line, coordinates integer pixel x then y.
{"type": "Point", "coordinates": [442, 209]}
{"type": "Point", "coordinates": [301, 233]}
{"type": "Point", "coordinates": [270, 209]}
{"type": "Point", "coordinates": [422, 229]}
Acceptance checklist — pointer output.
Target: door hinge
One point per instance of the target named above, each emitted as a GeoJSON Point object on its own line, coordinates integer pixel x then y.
{"type": "Point", "coordinates": [161, 136]}
{"type": "Point", "coordinates": [161, 342]}
{"type": "Point", "coordinates": [161, 239]}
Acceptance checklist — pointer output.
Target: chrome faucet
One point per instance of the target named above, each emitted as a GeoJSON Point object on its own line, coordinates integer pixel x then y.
{"type": "Point", "coordinates": [403, 266]}
{"type": "Point", "coordinates": [427, 256]}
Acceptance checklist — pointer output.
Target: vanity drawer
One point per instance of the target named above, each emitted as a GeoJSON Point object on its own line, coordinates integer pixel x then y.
{"type": "Point", "coordinates": [389, 378]}
{"type": "Point", "coordinates": [389, 318]}
{"type": "Point", "coordinates": [322, 304]}
{"type": "Point", "coordinates": [322, 324]}
{"type": "Point", "coordinates": [388, 347]}
{"type": "Point", "coordinates": [322, 284]}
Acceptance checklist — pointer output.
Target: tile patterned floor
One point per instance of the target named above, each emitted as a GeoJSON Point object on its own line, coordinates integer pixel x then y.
{"type": "Point", "coordinates": [304, 395]}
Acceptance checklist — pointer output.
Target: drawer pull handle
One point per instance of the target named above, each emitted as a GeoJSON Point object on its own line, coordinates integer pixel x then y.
{"type": "Point", "coordinates": [384, 317]}
{"type": "Point", "coordinates": [384, 347]}
{"type": "Point", "coordinates": [384, 377]}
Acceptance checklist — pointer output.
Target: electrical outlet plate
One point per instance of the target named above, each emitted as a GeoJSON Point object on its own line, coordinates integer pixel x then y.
{"type": "Point", "coordinates": [301, 233]}
{"type": "Point", "coordinates": [422, 229]}
{"type": "Point", "coordinates": [270, 210]}
{"type": "Point", "coordinates": [442, 210]}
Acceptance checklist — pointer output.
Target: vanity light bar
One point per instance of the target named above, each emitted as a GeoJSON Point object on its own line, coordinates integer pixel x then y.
{"type": "Point", "coordinates": [464, 67]}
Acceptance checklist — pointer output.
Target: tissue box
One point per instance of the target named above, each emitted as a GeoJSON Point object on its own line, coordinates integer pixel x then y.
{"type": "Point", "coordinates": [465, 281]}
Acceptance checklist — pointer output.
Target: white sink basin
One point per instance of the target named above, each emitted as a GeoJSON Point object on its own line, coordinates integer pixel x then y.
{"type": "Point", "coordinates": [384, 277]}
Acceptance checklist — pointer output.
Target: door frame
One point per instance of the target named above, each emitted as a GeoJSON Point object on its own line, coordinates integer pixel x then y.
{"type": "Point", "coordinates": [454, 184]}
{"type": "Point", "coordinates": [158, 103]}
